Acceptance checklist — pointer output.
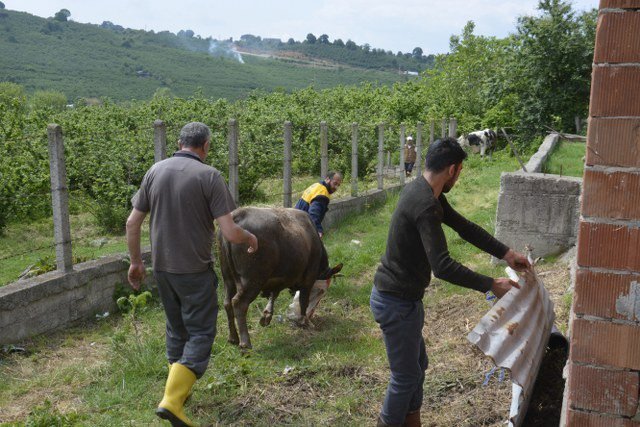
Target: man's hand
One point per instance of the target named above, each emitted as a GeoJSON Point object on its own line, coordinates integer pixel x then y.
{"type": "Point", "coordinates": [136, 275]}
{"type": "Point", "coordinates": [502, 285]}
{"type": "Point", "coordinates": [516, 260]}
{"type": "Point", "coordinates": [252, 241]}
{"type": "Point", "coordinates": [236, 234]}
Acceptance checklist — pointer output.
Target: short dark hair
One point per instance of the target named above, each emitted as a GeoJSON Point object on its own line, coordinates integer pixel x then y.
{"type": "Point", "coordinates": [194, 135]}
{"type": "Point", "coordinates": [444, 153]}
{"type": "Point", "coordinates": [331, 174]}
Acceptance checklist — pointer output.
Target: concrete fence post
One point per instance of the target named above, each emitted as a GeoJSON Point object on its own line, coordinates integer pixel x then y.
{"type": "Point", "coordinates": [402, 141]}
{"type": "Point", "coordinates": [324, 150]}
{"type": "Point", "coordinates": [159, 141]}
{"type": "Point", "coordinates": [388, 159]}
{"type": "Point", "coordinates": [234, 179]}
{"type": "Point", "coordinates": [354, 160]}
{"type": "Point", "coordinates": [453, 127]}
{"type": "Point", "coordinates": [578, 124]}
{"type": "Point", "coordinates": [419, 149]}
{"type": "Point", "coordinates": [286, 201]}
{"type": "Point", "coordinates": [59, 199]}
{"type": "Point", "coordinates": [444, 127]}
{"type": "Point", "coordinates": [380, 170]}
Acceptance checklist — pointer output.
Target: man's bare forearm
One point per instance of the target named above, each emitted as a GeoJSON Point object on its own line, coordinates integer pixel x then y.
{"type": "Point", "coordinates": [134, 226]}
{"type": "Point", "coordinates": [133, 243]}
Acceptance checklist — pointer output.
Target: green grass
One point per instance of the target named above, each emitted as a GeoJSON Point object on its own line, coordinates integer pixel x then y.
{"type": "Point", "coordinates": [567, 159]}
{"type": "Point", "coordinates": [333, 373]}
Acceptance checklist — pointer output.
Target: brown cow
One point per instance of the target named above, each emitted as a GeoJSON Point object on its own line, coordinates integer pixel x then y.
{"type": "Point", "coordinates": [291, 255]}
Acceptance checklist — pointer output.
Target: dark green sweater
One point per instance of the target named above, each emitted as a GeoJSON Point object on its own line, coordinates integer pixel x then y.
{"type": "Point", "coordinates": [416, 245]}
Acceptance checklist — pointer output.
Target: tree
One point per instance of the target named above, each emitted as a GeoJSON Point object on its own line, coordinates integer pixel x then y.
{"type": "Point", "coordinates": [351, 45]}
{"type": "Point", "coordinates": [417, 53]}
{"type": "Point", "coordinates": [311, 39]}
{"type": "Point", "coordinates": [62, 15]}
{"type": "Point", "coordinates": [338, 42]}
{"type": "Point", "coordinates": [460, 81]}
{"type": "Point", "coordinates": [250, 39]}
{"type": "Point", "coordinates": [323, 39]}
{"type": "Point", "coordinates": [48, 100]}
{"type": "Point", "coordinates": [291, 41]}
{"type": "Point", "coordinates": [1, 5]}
{"type": "Point", "coordinates": [552, 69]}
{"type": "Point", "coordinates": [366, 47]}
{"type": "Point", "coordinates": [12, 124]}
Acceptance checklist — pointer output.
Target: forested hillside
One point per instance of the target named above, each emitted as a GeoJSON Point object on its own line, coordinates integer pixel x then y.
{"type": "Point", "coordinates": [91, 61]}
{"type": "Point", "coordinates": [341, 52]}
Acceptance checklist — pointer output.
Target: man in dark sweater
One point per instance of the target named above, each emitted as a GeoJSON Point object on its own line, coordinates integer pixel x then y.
{"type": "Point", "coordinates": [416, 246]}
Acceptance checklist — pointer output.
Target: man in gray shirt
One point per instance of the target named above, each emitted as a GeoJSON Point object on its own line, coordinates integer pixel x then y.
{"type": "Point", "coordinates": [183, 196]}
{"type": "Point", "coordinates": [416, 246]}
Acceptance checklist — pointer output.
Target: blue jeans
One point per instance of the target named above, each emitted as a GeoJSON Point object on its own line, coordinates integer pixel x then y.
{"type": "Point", "coordinates": [401, 322]}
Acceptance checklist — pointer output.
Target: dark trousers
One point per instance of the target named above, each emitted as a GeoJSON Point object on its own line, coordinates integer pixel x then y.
{"type": "Point", "coordinates": [191, 307]}
{"type": "Point", "coordinates": [401, 322]}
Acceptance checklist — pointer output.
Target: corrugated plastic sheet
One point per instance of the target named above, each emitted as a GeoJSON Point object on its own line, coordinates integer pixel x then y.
{"type": "Point", "coordinates": [514, 333]}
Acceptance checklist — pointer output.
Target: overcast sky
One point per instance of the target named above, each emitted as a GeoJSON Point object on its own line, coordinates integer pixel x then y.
{"type": "Point", "coordinates": [391, 25]}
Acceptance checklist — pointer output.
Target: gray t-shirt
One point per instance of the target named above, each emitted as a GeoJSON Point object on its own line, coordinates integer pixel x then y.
{"type": "Point", "coordinates": [184, 196]}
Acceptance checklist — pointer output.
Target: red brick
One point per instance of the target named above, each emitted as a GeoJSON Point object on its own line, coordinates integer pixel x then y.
{"type": "Point", "coordinates": [613, 142]}
{"type": "Point", "coordinates": [596, 293]}
{"type": "Point", "coordinates": [603, 390]}
{"type": "Point", "coordinates": [609, 246]}
{"type": "Point", "coordinates": [605, 343]}
{"type": "Point", "coordinates": [620, 4]}
{"type": "Point", "coordinates": [586, 419]}
{"type": "Point", "coordinates": [611, 194]}
{"type": "Point", "coordinates": [615, 92]}
{"type": "Point", "coordinates": [614, 41]}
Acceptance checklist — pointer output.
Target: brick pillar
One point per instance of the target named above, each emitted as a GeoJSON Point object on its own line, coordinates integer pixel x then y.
{"type": "Point", "coordinates": [604, 362]}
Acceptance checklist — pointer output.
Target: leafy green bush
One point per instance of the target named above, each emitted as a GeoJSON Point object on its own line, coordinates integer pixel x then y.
{"type": "Point", "coordinates": [48, 100]}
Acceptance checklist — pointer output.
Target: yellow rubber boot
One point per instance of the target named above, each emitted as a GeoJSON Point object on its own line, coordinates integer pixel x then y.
{"type": "Point", "coordinates": [179, 383]}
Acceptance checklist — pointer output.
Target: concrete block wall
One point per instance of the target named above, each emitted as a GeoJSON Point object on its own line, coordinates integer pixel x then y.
{"type": "Point", "coordinates": [538, 210]}
{"type": "Point", "coordinates": [57, 300]}
{"type": "Point", "coordinates": [604, 361]}
{"type": "Point", "coordinates": [536, 162]}
{"type": "Point", "coordinates": [340, 208]}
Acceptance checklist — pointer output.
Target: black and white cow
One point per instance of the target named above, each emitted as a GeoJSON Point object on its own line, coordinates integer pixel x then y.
{"type": "Point", "coordinates": [483, 139]}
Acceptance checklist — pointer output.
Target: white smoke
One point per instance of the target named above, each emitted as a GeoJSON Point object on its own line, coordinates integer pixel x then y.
{"type": "Point", "coordinates": [237, 54]}
{"type": "Point", "coordinates": [224, 49]}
